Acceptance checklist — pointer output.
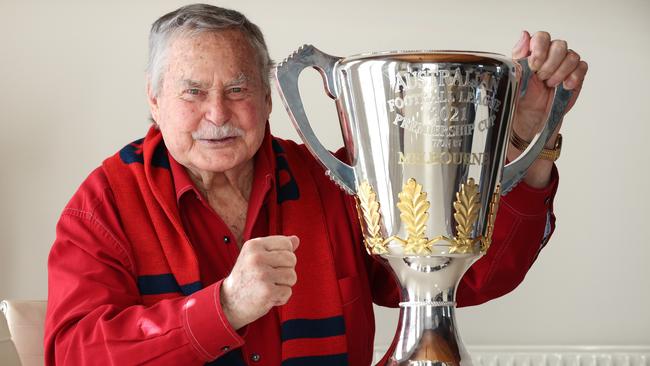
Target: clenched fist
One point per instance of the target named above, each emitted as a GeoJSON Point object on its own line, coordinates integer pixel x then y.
{"type": "Point", "coordinates": [261, 279]}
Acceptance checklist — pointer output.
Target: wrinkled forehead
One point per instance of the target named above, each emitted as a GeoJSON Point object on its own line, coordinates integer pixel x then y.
{"type": "Point", "coordinates": [227, 53]}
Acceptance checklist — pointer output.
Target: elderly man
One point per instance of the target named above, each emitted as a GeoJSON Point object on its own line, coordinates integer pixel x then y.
{"type": "Point", "coordinates": [211, 241]}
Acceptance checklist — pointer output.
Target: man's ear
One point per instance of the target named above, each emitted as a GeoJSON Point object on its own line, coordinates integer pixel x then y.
{"type": "Point", "coordinates": [152, 99]}
{"type": "Point", "coordinates": [269, 102]}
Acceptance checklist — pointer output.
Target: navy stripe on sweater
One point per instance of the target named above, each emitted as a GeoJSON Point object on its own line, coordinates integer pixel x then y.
{"type": "Point", "coordinates": [165, 284]}
{"type": "Point", "coordinates": [313, 328]}
{"type": "Point", "coordinates": [132, 153]}
{"type": "Point", "coordinates": [232, 358]}
{"type": "Point", "coordinates": [329, 360]}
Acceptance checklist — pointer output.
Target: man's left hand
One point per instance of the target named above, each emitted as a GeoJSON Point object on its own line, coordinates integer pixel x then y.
{"type": "Point", "coordinates": [552, 62]}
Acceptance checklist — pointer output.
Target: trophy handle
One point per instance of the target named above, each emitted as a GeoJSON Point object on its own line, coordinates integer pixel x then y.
{"type": "Point", "coordinates": [286, 75]}
{"type": "Point", "coordinates": [515, 170]}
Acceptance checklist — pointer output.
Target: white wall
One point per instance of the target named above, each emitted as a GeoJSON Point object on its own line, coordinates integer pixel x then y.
{"type": "Point", "coordinates": [72, 93]}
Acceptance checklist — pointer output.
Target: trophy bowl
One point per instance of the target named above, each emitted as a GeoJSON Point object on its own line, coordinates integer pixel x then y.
{"type": "Point", "coordinates": [426, 134]}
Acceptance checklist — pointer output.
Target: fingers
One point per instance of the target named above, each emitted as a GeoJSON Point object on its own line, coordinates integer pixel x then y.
{"type": "Point", "coordinates": [284, 277]}
{"type": "Point", "coordinates": [295, 241]}
{"type": "Point", "coordinates": [271, 251]}
{"type": "Point", "coordinates": [522, 48]}
{"type": "Point", "coordinates": [280, 259]}
{"type": "Point", "coordinates": [268, 252]}
{"type": "Point", "coordinates": [568, 66]}
{"type": "Point", "coordinates": [539, 45]}
{"type": "Point", "coordinates": [577, 77]}
{"type": "Point", "coordinates": [274, 243]}
{"type": "Point", "coordinates": [554, 63]}
{"type": "Point", "coordinates": [555, 55]}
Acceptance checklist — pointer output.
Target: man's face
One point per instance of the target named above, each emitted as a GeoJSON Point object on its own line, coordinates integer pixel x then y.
{"type": "Point", "coordinates": [212, 106]}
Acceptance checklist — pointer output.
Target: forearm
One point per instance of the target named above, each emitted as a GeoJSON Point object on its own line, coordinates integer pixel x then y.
{"type": "Point", "coordinates": [96, 314]}
{"type": "Point", "coordinates": [524, 224]}
{"type": "Point", "coordinates": [538, 174]}
{"type": "Point", "coordinates": [133, 335]}
{"type": "Point", "coordinates": [101, 329]}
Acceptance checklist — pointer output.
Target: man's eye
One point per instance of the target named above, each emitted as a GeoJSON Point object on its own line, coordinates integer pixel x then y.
{"type": "Point", "coordinates": [236, 89]}
{"type": "Point", "coordinates": [193, 91]}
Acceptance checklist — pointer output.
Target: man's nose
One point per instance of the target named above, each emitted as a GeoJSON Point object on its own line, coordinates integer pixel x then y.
{"type": "Point", "coordinates": [218, 110]}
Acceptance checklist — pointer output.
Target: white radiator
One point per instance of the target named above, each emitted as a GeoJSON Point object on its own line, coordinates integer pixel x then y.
{"type": "Point", "coordinates": [555, 355]}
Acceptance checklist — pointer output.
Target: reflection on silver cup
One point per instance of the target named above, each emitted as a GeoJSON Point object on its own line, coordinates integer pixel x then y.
{"type": "Point", "coordinates": [426, 133]}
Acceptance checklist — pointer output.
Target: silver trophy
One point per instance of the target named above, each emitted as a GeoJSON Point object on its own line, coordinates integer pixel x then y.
{"type": "Point", "coordinates": [426, 135]}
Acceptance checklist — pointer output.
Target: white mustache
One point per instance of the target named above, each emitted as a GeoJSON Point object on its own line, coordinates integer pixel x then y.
{"type": "Point", "coordinates": [212, 132]}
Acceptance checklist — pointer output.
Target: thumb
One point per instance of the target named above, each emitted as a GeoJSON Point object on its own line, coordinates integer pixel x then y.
{"type": "Point", "coordinates": [522, 48]}
{"type": "Point", "coordinates": [295, 242]}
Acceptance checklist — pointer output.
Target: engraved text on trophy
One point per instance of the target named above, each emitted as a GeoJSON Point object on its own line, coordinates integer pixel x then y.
{"type": "Point", "coordinates": [445, 106]}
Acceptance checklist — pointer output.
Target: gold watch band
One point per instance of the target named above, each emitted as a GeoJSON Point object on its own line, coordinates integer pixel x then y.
{"type": "Point", "coordinates": [546, 154]}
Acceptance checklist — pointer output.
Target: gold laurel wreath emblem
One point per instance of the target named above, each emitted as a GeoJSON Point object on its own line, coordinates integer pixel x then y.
{"type": "Point", "coordinates": [467, 207]}
{"type": "Point", "coordinates": [414, 207]}
{"type": "Point", "coordinates": [494, 207]}
{"type": "Point", "coordinates": [368, 209]}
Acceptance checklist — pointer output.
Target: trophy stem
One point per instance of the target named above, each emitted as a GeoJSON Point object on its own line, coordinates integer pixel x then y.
{"type": "Point", "coordinates": [427, 336]}
{"type": "Point", "coordinates": [427, 333]}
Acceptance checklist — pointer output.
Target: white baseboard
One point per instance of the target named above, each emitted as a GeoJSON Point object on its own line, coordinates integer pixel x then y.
{"type": "Point", "coordinates": [554, 355]}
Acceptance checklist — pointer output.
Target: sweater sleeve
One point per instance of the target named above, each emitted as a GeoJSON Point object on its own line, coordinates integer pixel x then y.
{"type": "Point", "coordinates": [524, 224]}
{"type": "Point", "coordinates": [95, 313]}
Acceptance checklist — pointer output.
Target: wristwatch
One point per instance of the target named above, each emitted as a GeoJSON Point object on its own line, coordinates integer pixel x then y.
{"type": "Point", "coordinates": [546, 154]}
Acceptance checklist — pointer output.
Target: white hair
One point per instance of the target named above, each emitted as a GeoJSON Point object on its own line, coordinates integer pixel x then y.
{"type": "Point", "coordinates": [195, 19]}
